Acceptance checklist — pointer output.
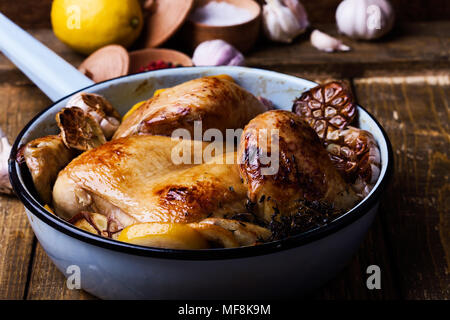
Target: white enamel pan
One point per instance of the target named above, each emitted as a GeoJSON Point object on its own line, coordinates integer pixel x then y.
{"type": "Point", "coordinates": [116, 270]}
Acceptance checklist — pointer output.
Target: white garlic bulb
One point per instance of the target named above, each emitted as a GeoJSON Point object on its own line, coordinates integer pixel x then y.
{"type": "Point", "coordinates": [5, 150]}
{"type": "Point", "coordinates": [283, 20]}
{"type": "Point", "coordinates": [217, 53]}
{"type": "Point", "coordinates": [327, 43]}
{"type": "Point", "coordinates": [365, 19]}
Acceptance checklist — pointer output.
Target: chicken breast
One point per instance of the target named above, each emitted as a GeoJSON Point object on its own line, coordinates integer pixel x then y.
{"type": "Point", "coordinates": [302, 168]}
{"type": "Point", "coordinates": [217, 102]}
{"type": "Point", "coordinates": [135, 179]}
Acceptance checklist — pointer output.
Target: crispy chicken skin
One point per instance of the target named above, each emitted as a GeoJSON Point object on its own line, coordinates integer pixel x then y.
{"type": "Point", "coordinates": [305, 171]}
{"type": "Point", "coordinates": [217, 102]}
{"type": "Point", "coordinates": [134, 179]}
{"type": "Point", "coordinates": [45, 157]}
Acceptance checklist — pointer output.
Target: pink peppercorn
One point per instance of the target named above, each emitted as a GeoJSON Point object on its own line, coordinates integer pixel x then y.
{"type": "Point", "coordinates": [157, 65]}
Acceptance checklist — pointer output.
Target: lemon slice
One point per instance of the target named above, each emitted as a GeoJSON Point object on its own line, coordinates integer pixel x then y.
{"type": "Point", "coordinates": [163, 235]}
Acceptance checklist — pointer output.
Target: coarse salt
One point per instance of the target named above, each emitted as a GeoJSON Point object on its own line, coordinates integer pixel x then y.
{"type": "Point", "coordinates": [222, 13]}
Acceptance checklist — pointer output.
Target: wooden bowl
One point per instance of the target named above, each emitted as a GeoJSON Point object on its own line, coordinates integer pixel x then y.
{"type": "Point", "coordinates": [243, 36]}
{"type": "Point", "coordinates": [141, 58]}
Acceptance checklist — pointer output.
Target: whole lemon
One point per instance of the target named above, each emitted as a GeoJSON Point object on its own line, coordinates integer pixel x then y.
{"type": "Point", "coordinates": [87, 25]}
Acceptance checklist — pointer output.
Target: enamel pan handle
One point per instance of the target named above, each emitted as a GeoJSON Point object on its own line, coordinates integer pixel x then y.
{"type": "Point", "coordinates": [52, 74]}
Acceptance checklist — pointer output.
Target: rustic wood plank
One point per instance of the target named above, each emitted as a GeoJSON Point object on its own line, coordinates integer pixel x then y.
{"type": "Point", "coordinates": [18, 105]}
{"type": "Point", "coordinates": [351, 282]}
{"type": "Point", "coordinates": [411, 48]}
{"type": "Point", "coordinates": [15, 248]}
{"type": "Point", "coordinates": [48, 283]}
{"type": "Point", "coordinates": [36, 14]}
{"type": "Point", "coordinates": [28, 13]}
{"type": "Point", "coordinates": [415, 113]}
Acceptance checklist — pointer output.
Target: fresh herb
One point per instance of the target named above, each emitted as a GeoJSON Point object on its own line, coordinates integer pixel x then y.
{"type": "Point", "coordinates": [310, 215]}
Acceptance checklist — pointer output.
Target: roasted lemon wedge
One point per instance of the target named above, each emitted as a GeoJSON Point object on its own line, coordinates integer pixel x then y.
{"type": "Point", "coordinates": [163, 235]}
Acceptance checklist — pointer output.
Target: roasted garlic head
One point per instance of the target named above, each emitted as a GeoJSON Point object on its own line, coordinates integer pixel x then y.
{"type": "Point", "coordinates": [79, 130]}
{"type": "Point", "coordinates": [327, 108]}
{"type": "Point", "coordinates": [356, 155]}
{"type": "Point", "coordinates": [100, 109]}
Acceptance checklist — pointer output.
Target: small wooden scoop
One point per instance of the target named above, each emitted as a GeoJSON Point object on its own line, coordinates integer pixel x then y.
{"type": "Point", "coordinates": [115, 61]}
{"type": "Point", "coordinates": [106, 63]}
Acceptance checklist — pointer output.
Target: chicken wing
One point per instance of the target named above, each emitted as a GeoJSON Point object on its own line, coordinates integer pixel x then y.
{"type": "Point", "coordinates": [217, 102]}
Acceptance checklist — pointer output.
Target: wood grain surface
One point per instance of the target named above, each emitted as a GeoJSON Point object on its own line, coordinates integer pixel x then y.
{"type": "Point", "coordinates": [19, 102]}
{"type": "Point", "coordinates": [418, 47]}
{"type": "Point", "coordinates": [414, 111]}
{"type": "Point", "coordinates": [405, 86]}
{"type": "Point", "coordinates": [36, 14]}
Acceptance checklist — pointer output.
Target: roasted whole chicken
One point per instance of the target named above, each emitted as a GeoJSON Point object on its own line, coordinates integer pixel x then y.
{"type": "Point", "coordinates": [282, 179]}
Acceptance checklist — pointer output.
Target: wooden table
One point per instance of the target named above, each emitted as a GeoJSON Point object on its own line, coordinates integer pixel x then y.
{"type": "Point", "coordinates": [403, 80]}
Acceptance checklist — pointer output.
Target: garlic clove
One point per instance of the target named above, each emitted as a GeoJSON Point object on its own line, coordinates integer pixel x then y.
{"type": "Point", "coordinates": [327, 43]}
{"type": "Point", "coordinates": [109, 125]}
{"type": "Point", "coordinates": [283, 20]}
{"type": "Point", "coordinates": [5, 150]}
{"type": "Point", "coordinates": [217, 53]}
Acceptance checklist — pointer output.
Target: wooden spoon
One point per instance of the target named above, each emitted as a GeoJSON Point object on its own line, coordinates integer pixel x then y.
{"type": "Point", "coordinates": [106, 63]}
{"type": "Point", "coordinates": [167, 16]}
